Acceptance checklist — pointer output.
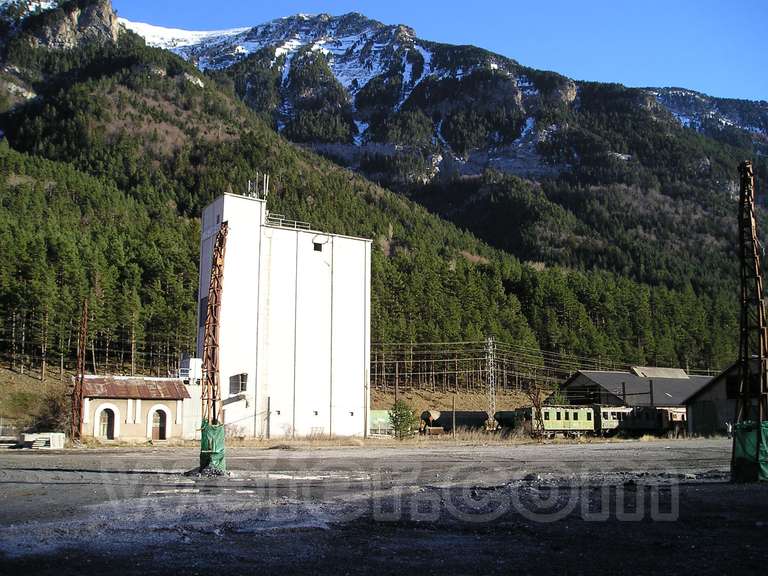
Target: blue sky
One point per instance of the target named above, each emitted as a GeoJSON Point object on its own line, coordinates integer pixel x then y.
{"type": "Point", "coordinates": [716, 47]}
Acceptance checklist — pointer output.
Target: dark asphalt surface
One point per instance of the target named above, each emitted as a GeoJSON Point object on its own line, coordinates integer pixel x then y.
{"type": "Point", "coordinates": [626, 508]}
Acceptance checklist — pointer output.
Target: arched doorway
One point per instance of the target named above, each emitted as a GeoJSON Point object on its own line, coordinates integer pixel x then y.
{"type": "Point", "coordinates": [107, 424]}
{"type": "Point", "coordinates": [159, 425]}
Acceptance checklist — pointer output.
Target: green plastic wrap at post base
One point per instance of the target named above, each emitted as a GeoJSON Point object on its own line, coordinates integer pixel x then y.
{"type": "Point", "coordinates": [212, 446]}
{"type": "Point", "coordinates": [749, 464]}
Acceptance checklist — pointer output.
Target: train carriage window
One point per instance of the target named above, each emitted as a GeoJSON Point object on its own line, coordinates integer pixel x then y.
{"type": "Point", "coordinates": [605, 415]}
{"type": "Point", "coordinates": [589, 415]}
{"type": "Point", "coordinates": [567, 415]}
{"type": "Point", "coordinates": [613, 415]}
{"type": "Point", "coordinates": [558, 415]}
{"type": "Point", "coordinates": [575, 415]}
{"type": "Point", "coordinates": [546, 415]}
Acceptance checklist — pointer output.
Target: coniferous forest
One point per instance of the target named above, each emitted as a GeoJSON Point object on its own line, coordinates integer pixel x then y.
{"type": "Point", "coordinates": [105, 172]}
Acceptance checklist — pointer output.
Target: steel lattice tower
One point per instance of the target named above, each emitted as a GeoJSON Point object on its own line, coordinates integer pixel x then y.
{"type": "Point", "coordinates": [211, 393]}
{"type": "Point", "coordinates": [490, 366]}
{"type": "Point", "coordinates": [753, 341]}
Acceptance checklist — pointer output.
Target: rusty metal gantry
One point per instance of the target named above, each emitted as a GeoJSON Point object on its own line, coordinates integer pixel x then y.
{"type": "Point", "coordinates": [753, 340]}
{"type": "Point", "coordinates": [211, 393]}
{"type": "Point", "coordinates": [75, 430]}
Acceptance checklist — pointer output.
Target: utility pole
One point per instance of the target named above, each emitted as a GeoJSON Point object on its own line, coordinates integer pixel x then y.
{"type": "Point", "coordinates": [490, 367]}
{"type": "Point", "coordinates": [753, 336]}
{"type": "Point", "coordinates": [75, 430]}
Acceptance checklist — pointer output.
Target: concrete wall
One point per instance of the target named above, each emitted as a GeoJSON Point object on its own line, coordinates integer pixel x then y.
{"type": "Point", "coordinates": [239, 310]}
{"type": "Point", "coordinates": [295, 318]}
{"type": "Point", "coordinates": [192, 413]}
{"type": "Point", "coordinates": [133, 417]}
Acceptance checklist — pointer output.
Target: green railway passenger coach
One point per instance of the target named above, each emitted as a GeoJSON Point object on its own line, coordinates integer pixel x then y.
{"type": "Point", "coordinates": [569, 420]}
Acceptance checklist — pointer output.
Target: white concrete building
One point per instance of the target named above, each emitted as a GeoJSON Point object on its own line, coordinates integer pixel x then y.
{"type": "Point", "coordinates": [294, 323]}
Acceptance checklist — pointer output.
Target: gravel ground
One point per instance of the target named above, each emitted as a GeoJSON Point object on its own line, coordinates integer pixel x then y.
{"type": "Point", "coordinates": [599, 508]}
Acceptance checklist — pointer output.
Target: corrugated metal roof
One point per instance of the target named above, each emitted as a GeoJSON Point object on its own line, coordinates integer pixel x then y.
{"type": "Point", "coordinates": [666, 391]}
{"type": "Point", "coordinates": [134, 387]}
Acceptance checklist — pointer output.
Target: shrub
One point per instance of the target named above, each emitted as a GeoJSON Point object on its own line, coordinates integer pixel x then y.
{"type": "Point", "coordinates": [402, 419]}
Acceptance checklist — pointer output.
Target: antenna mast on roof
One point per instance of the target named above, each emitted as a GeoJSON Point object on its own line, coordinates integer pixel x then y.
{"type": "Point", "coordinates": [258, 189]}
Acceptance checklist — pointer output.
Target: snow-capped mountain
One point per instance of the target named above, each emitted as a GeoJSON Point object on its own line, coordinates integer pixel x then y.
{"type": "Point", "coordinates": [357, 48]}
{"type": "Point", "coordinates": [374, 96]}
{"type": "Point", "coordinates": [385, 69]}
{"type": "Point", "coordinates": [352, 74]}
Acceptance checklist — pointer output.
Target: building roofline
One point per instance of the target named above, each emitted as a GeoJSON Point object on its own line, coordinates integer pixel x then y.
{"type": "Point", "coordinates": [278, 227]}
{"type": "Point", "coordinates": [233, 195]}
{"type": "Point", "coordinates": [313, 231]}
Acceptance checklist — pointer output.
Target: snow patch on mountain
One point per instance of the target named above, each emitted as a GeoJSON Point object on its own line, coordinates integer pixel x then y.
{"type": "Point", "coordinates": [527, 87]}
{"type": "Point", "coordinates": [362, 127]}
{"type": "Point", "coordinates": [408, 83]}
{"type": "Point", "coordinates": [704, 113]}
{"type": "Point", "coordinates": [33, 6]}
{"type": "Point", "coordinates": [174, 38]}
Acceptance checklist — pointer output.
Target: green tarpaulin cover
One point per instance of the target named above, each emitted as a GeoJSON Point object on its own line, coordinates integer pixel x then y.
{"type": "Point", "coordinates": [749, 464]}
{"type": "Point", "coordinates": [212, 446]}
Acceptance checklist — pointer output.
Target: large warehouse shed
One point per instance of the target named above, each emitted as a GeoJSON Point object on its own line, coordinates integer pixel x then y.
{"type": "Point", "coordinates": [649, 398]}
{"type": "Point", "coordinates": [713, 407]}
{"type": "Point", "coordinates": [642, 386]}
{"type": "Point", "coordinates": [294, 340]}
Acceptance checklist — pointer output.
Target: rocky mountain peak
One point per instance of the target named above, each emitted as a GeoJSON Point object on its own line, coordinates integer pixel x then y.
{"type": "Point", "coordinates": [76, 23]}
{"type": "Point", "coordinates": [61, 25]}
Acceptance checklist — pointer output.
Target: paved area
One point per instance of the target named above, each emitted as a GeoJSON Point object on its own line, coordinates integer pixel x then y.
{"type": "Point", "coordinates": [630, 507]}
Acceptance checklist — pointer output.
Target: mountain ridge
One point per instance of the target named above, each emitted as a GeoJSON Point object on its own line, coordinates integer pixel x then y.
{"type": "Point", "coordinates": [689, 107]}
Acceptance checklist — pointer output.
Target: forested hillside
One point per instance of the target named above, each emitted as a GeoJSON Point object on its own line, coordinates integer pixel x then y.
{"type": "Point", "coordinates": [637, 181]}
{"type": "Point", "coordinates": [105, 172]}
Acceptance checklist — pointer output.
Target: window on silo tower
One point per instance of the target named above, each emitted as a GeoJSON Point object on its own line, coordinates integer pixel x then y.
{"type": "Point", "coordinates": [238, 383]}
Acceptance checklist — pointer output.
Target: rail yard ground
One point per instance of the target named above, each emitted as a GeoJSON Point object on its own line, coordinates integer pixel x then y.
{"type": "Point", "coordinates": [578, 508]}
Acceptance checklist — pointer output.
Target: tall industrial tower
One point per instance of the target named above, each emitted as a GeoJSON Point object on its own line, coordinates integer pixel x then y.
{"type": "Point", "coordinates": [750, 436]}
{"type": "Point", "coordinates": [753, 341]}
{"type": "Point", "coordinates": [212, 430]}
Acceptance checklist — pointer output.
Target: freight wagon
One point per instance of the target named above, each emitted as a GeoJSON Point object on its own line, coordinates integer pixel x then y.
{"type": "Point", "coordinates": [435, 420]}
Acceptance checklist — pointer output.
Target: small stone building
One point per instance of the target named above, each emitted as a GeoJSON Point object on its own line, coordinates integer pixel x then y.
{"type": "Point", "coordinates": [134, 408]}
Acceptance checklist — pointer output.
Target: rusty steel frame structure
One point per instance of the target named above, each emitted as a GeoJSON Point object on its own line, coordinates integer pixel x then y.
{"type": "Point", "coordinates": [753, 331]}
{"type": "Point", "coordinates": [76, 424]}
{"type": "Point", "coordinates": [211, 389]}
